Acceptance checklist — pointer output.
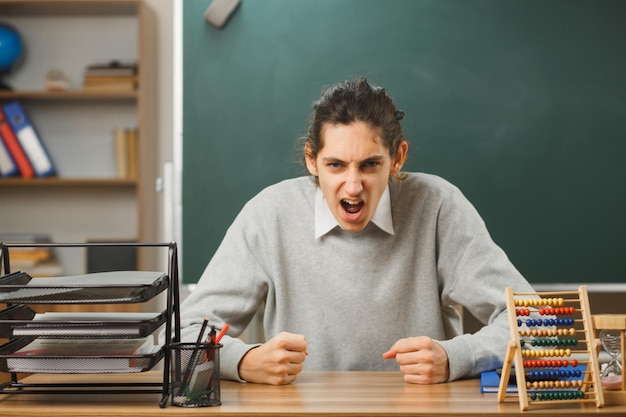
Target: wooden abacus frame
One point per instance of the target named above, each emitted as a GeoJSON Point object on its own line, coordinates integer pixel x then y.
{"type": "Point", "coordinates": [551, 304]}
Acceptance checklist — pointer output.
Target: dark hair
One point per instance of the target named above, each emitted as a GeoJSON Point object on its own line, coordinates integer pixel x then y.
{"type": "Point", "coordinates": [350, 101]}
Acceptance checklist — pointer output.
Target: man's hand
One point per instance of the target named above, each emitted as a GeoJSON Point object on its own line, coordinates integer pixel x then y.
{"type": "Point", "coordinates": [276, 362]}
{"type": "Point", "coordinates": [421, 360]}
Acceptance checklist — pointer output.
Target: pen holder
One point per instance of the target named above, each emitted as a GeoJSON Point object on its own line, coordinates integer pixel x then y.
{"type": "Point", "coordinates": [195, 374]}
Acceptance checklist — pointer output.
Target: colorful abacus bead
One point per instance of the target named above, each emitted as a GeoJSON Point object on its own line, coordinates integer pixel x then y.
{"type": "Point", "coordinates": [554, 342]}
{"type": "Point", "coordinates": [557, 311]}
{"type": "Point", "coordinates": [557, 395]}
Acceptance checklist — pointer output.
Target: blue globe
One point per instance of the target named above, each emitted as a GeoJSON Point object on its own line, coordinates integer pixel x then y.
{"type": "Point", "coordinates": [11, 48]}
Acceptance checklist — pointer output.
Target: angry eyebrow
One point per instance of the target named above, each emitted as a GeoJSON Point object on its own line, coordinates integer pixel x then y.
{"type": "Point", "coordinates": [369, 159]}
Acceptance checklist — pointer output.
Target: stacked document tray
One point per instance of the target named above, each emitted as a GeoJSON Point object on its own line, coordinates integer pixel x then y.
{"type": "Point", "coordinates": [42, 338]}
{"type": "Point", "coordinates": [80, 342]}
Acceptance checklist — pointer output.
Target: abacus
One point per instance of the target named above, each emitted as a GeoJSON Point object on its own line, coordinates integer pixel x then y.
{"type": "Point", "coordinates": [551, 350]}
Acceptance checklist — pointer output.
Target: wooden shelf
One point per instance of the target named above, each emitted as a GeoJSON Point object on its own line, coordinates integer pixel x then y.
{"type": "Point", "coordinates": [68, 7]}
{"type": "Point", "coordinates": [67, 182]}
{"type": "Point", "coordinates": [67, 95]}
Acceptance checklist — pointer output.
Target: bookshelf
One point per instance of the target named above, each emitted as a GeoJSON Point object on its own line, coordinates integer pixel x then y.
{"type": "Point", "coordinates": [85, 200]}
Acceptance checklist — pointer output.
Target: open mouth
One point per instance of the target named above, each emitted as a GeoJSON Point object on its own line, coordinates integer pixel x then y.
{"type": "Point", "coordinates": [352, 206]}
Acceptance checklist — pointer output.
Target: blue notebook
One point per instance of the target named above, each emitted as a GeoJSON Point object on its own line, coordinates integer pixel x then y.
{"type": "Point", "coordinates": [490, 382]}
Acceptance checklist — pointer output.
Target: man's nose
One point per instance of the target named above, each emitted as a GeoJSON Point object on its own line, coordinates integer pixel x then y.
{"type": "Point", "coordinates": [354, 183]}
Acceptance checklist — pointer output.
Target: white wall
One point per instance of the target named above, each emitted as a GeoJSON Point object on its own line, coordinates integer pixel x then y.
{"type": "Point", "coordinates": [167, 12]}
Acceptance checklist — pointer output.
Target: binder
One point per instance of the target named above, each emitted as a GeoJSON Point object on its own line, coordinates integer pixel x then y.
{"type": "Point", "coordinates": [7, 166]}
{"type": "Point", "coordinates": [29, 139]}
{"type": "Point", "coordinates": [14, 147]}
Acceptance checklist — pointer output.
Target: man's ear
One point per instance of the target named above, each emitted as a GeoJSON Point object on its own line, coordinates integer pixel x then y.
{"type": "Point", "coordinates": [311, 163]}
{"type": "Point", "coordinates": [398, 161]}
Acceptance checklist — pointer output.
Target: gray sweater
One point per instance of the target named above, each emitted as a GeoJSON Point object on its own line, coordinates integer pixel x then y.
{"type": "Point", "coordinates": [353, 295]}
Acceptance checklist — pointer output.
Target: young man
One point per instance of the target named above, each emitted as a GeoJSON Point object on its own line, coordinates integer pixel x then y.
{"type": "Point", "coordinates": [360, 266]}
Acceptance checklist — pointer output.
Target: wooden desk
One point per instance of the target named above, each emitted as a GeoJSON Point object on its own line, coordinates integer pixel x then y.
{"type": "Point", "coordinates": [318, 393]}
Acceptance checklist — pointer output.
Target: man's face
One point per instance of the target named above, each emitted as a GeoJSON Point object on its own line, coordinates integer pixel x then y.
{"type": "Point", "coordinates": [353, 167]}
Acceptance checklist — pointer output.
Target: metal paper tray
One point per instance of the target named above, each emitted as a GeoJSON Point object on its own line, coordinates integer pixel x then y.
{"type": "Point", "coordinates": [22, 321]}
{"type": "Point", "coordinates": [83, 364]}
{"type": "Point", "coordinates": [95, 288]}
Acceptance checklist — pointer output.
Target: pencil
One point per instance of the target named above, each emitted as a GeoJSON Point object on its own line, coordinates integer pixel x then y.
{"type": "Point", "coordinates": [194, 353]}
{"type": "Point", "coordinates": [202, 330]}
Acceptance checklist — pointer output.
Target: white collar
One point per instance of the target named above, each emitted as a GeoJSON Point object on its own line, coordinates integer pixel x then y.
{"type": "Point", "coordinates": [325, 220]}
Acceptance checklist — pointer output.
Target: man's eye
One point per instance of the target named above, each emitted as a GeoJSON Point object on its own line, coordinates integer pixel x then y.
{"type": "Point", "coordinates": [371, 164]}
{"type": "Point", "coordinates": [334, 165]}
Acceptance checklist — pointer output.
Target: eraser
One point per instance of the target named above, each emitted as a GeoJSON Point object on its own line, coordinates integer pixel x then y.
{"type": "Point", "coordinates": [219, 11]}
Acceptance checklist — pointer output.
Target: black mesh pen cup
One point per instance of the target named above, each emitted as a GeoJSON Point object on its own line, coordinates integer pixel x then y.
{"type": "Point", "coordinates": [195, 374]}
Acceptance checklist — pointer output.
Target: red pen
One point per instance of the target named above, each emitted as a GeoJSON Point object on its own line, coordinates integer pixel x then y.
{"type": "Point", "coordinates": [215, 339]}
{"type": "Point", "coordinates": [221, 333]}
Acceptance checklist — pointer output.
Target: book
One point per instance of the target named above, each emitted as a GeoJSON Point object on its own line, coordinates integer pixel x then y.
{"type": "Point", "coordinates": [110, 79]}
{"type": "Point", "coordinates": [29, 139]}
{"type": "Point", "coordinates": [7, 165]}
{"type": "Point", "coordinates": [132, 143]}
{"type": "Point", "coordinates": [80, 355]}
{"type": "Point", "coordinates": [490, 382]}
{"type": "Point", "coordinates": [121, 153]}
{"type": "Point", "coordinates": [126, 151]}
{"type": "Point", "coordinates": [30, 256]}
{"type": "Point", "coordinates": [113, 68]}
{"type": "Point", "coordinates": [15, 149]}
{"type": "Point", "coordinates": [104, 84]}
{"type": "Point", "coordinates": [38, 261]}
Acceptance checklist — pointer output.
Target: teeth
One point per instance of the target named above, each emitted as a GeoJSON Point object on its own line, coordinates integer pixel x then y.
{"type": "Point", "coordinates": [352, 202]}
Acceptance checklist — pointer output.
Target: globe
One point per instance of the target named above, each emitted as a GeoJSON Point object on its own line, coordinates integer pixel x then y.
{"type": "Point", "coordinates": [11, 50]}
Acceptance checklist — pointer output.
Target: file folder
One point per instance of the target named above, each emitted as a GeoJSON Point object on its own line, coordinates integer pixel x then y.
{"type": "Point", "coordinates": [7, 166]}
{"type": "Point", "coordinates": [29, 139]}
{"type": "Point", "coordinates": [14, 147]}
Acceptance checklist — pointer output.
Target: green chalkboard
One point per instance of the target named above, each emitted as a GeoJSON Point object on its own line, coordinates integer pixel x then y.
{"type": "Point", "coordinates": [522, 104]}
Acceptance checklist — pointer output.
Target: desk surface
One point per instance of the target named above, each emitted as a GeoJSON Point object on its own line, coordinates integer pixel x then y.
{"type": "Point", "coordinates": [319, 393]}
